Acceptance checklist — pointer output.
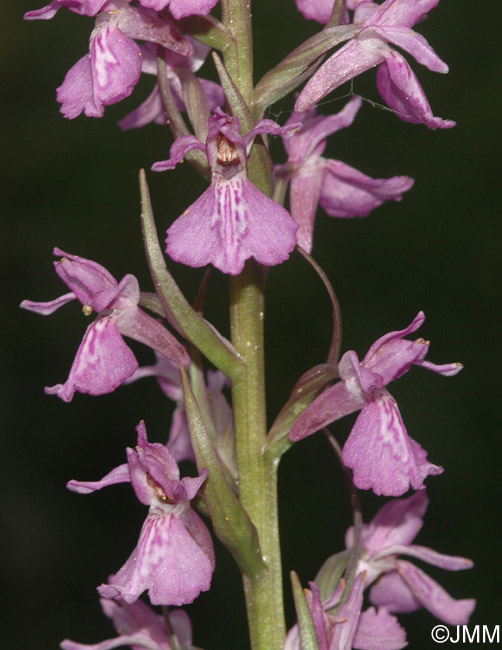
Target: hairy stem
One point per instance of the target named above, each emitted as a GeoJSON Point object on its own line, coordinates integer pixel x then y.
{"type": "Point", "coordinates": [257, 474]}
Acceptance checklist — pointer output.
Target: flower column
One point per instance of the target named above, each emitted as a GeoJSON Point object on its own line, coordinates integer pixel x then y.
{"type": "Point", "coordinates": [257, 476]}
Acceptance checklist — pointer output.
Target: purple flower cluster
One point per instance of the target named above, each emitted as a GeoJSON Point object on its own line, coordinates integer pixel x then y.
{"type": "Point", "coordinates": [398, 585]}
{"type": "Point", "coordinates": [113, 66]}
{"type": "Point", "coordinates": [232, 222]}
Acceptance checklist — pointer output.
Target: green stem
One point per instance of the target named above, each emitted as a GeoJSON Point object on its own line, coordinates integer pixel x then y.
{"type": "Point", "coordinates": [257, 475]}
{"type": "Point", "coordinates": [238, 58]}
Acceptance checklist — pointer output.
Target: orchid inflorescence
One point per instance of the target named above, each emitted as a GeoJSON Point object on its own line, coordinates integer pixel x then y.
{"type": "Point", "coordinates": [240, 226]}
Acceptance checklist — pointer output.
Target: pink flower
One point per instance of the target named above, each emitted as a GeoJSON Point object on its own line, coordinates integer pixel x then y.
{"type": "Point", "coordinates": [398, 585]}
{"type": "Point", "coordinates": [378, 450]}
{"type": "Point", "coordinates": [341, 190]}
{"type": "Point", "coordinates": [140, 627]}
{"type": "Point", "coordinates": [182, 8]}
{"type": "Point", "coordinates": [104, 361]}
{"type": "Point", "coordinates": [217, 408]}
{"type": "Point", "coordinates": [112, 68]}
{"type": "Point", "coordinates": [174, 558]}
{"type": "Point", "coordinates": [232, 221]}
{"type": "Point", "coordinates": [380, 26]}
{"type": "Point", "coordinates": [152, 110]}
{"type": "Point", "coordinates": [350, 628]}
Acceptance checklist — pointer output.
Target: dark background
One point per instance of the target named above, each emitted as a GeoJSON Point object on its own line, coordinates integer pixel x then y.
{"type": "Point", "coordinates": [74, 184]}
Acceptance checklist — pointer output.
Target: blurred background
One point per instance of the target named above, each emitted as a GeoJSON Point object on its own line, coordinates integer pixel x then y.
{"type": "Point", "coordinates": [74, 184]}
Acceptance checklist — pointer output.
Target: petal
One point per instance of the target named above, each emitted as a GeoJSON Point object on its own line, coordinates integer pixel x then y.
{"type": "Point", "coordinates": [403, 12]}
{"type": "Point", "coordinates": [391, 592]}
{"type": "Point", "coordinates": [138, 325]}
{"type": "Point", "coordinates": [350, 193]}
{"type": "Point", "coordinates": [391, 356]}
{"type": "Point", "coordinates": [304, 193]}
{"type": "Point", "coordinates": [214, 93]}
{"type": "Point", "coordinates": [318, 616]}
{"type": "Point", "coordinates": [76, 92]}
{"type": "Point", "coordinates": [434, 598]}
{"type": "Point", "coordinates": [331, 405]}
{"type": "Point", "coordinates": [182, 8]}
{"type": "Point", "coordinates": [348, 62]}
{"type": "Point", "coordinates": [446, 369]}
{"type": "Point", "coordinates": [316, 129]}
{"type": "Point", "coordinates": [415, 324]}
{"type": "Point", "coordinates": [149, 111]}
{"type": "Point", "coordinates": [396, 523]}
{"type": "Point", "coordinates": [401, 90]}
{"type": "Point", "coordinates": [82, 7]}
{"type": "Point", "coordinates": [179, 443]}
{"type": "Point", "coordinates": [416, 45]}
{"type": "Point", "coordinates": [167, 374]}
{"type": "Point", "coordinates": [120, 474]}
{"type": "Point", "coordinates": [448, 562]}
{"type": "Point", "coordinates": [231, 222]}
{"type": "Point", "coordinates": [128, 619]}
{"type": "Point", "coordinates": [360, 381]}
{"type": "Point", "coordinates": [180, 147]}
{"type": "Point", "coordinates": [45, 13]}
{"type": "Point", "coordinates": [379, 631]}
{"type": "Point", "coordinates": [144, 25]}
{"type": "Point", "coordinates": [271, 127]}
{"type": "Point", "coordinates": [137, 640]}
{"type": "Point", "coordinates": [116, 65]}
{"type": "Point", "coordinates": [168, 562]}
{"type": "Point", "coordinates": [86, 279]}
{"type": "Point", "coordinates": [319, 10]}
{"type": "Point", "coordinates": [152, 461]}
{"type": "Point", "coordinates": [47, 308]}
{"type": "Point", "coordinates": [103, 362]}
{"type": "Point", "coordinates": [380, 452]}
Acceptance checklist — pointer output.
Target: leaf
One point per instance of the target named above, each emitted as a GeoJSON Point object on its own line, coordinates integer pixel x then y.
{"type": "Point", "coordinates": [231, 522]}
{"type": "Point", "coordinates": [308, 634]}
{"type": "Point", "coordinates": [330, 573]}
{"type": "Point", "coordinates": [294, 68]}
{"type": "Point", "coordinates": [195, 101]}
{"type": "Point", "coordinates": [304, 392]}
{"type": "Point", "coordinates": [206, 29]}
